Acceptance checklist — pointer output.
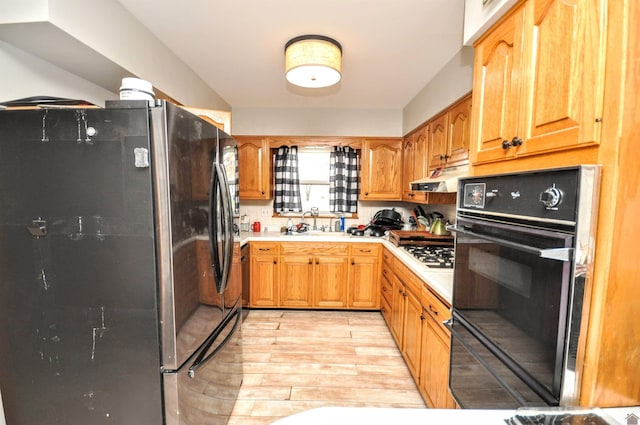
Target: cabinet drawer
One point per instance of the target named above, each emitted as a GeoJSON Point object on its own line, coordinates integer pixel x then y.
{"type": "Point", "coordinates": [368, 249]}
{"type": "Point", "coordinates": [264, 248]}
{"type": "Point", "coordinates": [436, 308]}
{"type": "Point", "coordinates": [408, 278]}
{"type": "Point", "coordinates": [387, 257]}
{"type": "Point", "coordinates": [386, 289]}
{"type": "Point", "coordinates": [308, 248]}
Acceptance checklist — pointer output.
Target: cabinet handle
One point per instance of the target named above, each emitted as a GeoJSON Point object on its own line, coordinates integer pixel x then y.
{"type": "Point", "coordinates": [262, 192]}
{"type": "Point", "coordinates": [447, 156]}
{"type": "Point", "coordinates": [264, 249]}
{"type": "Point", "coordinates": [516, 141]}
{"type": "Point", "coordinates": [506, 144]}
{"type": "Point", "coordinates": [399, 291]}
{"type": "Point", "coordinates": [366, 194]}
{"type": "Point", "coordinates": [275, 261]}
{"type": "Point", "coordinates": [404, 294]}
{"type": "Point", "coordinates": [422, 317]}
{"type": "Point", "coordinates": [317, 261]}
{"type": "Point", "coordinates": [384, 289]}
{"type": "Point", "coordinates": [353, 263]}
{"type": "Point", "coordinates": [244, 257]}
{"type": "Point", "coordinates": [365, 250]}
{"type": "Point", "coordinates": [411, 194]}
{"type": "Point", "coordinates": [384, 271]}
{"type": "Point", "coordinates": [433, 310]}
{"type": "Point", "coordinates": [310, 261]}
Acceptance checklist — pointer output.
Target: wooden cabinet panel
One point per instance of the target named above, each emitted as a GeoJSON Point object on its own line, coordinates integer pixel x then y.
{"type": "Point", "coordinates": [408, 148]}
{"type": "Point", "coordinates": [497, 70]}
{"type": "Point", "coordinates": [330, 282]}
{"type": "Point", "coordinates": [364, 278]}
{"type": "Point", "coordinates": [459, 134]}
{"type": "Point", "coordinates": [538, 81]}
{"type": "Point", "coordinates": [264, 274]}
{"type": "Point", "coordinates": [296, 281]}
{"type": "Point", "coordinates": [397, 310]}
{"type": "Point", "coordinates": [381, 168]}
{"type": "Point", "coordinates": [564, 92]}
{"type": "Point", "coordinates": [412, 340]}
{"type": "Point", "coordinates": [434, 369]}
{"type": "Point", "coordinates": [254, 160]}
{"type": "Point", "coordinates": [438, 139]}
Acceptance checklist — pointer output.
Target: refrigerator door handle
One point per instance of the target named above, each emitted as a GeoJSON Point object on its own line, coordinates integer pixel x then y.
{"type": "Point", "coordinates": [228, 233]}
{"type": "Point", "coordinates": [213, 227]}
{"type": "Point", "coordinates": [202, 357]}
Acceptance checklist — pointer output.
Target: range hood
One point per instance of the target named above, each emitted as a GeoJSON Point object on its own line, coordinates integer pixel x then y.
{"type": "Point", "coordinates": [445, 181]}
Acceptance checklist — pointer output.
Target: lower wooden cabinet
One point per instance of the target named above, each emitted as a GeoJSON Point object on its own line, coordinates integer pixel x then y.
{"type": "Point", "coordinates": [414, 316]}
{"type": "Point", "coordinates": [364, 276]}
{"type": "Point", "coordinates": [315, 275]}
{"type": "Point", "coordinates": [265, 274]}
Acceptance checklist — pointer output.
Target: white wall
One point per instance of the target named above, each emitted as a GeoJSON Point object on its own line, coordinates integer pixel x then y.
{"type": "Point", "coordinates": [478, 17]}
{"type": "Point", "coordinates": [317, 122]}
{"type": "Point", "coordinates": [24, 75]}
{"type": "Point", "coordinates": [101, 43]}
{"type": "Point", "coordinates": [451, 83]}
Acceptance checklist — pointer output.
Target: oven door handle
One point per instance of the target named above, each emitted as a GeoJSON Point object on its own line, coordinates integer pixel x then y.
{"type": "Point", "coordinates": [560, 254]}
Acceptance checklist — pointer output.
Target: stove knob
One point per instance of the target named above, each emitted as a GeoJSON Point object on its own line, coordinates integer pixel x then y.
{"type": "Point", "coordinates": [551, 197]}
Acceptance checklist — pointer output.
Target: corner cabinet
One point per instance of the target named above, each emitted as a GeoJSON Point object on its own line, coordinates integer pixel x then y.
{"type": "Point", "coordinates": [381, 170]}
{"type": "Point", "coordinates": [538, 81]}
{"type": "Point", "coordinates": [254, 161]}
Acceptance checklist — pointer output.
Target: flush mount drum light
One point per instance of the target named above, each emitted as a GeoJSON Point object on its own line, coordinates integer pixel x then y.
{"type": "Point", "coordinates": [313, 61]}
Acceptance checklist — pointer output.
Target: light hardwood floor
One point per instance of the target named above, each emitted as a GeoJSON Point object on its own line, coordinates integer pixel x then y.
{"type": "Point", "coordinates": [296, 360]}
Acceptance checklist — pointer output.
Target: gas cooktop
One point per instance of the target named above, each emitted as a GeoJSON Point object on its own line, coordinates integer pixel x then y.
{"type": "Point", "coordinates": [432, 256]}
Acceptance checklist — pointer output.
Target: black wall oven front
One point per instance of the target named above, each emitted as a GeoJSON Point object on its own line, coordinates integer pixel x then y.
{"type": "Point", "coordinates": [521, 263]}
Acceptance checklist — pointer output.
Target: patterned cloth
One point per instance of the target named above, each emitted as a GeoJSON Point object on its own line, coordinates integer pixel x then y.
{"type": "Point", "coordinates": [343, 180]}
{"type": "Point", "coordinates": [287, 190]}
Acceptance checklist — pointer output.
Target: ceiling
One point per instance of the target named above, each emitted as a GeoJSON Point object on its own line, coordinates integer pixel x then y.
{"type": "Point", "coordinates": [391, 48]}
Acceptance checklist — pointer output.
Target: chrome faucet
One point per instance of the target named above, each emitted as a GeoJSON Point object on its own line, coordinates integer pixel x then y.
{"type": "Point", "coordinates": [314, 214]}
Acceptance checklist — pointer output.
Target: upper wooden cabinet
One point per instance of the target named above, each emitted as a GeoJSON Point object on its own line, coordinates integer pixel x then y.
{"type": "Point", "coordinates": [538, 81]}
{"type": "Point", "coordinates": [449, 135]}
{"type": "Point", "coordinates": [414, 160]}
{"type": "Point", "coordinates": [381, 165]}
{"type": "Point", "coordinates": [254, 160]}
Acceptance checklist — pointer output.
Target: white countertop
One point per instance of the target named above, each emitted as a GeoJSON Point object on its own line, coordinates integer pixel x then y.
{"type": "Point", "coordinates": [390, 416]}
{"type": "Point", "coordinates": [439, 280]}
{"type": "Point", "coordinates": [387, 416]}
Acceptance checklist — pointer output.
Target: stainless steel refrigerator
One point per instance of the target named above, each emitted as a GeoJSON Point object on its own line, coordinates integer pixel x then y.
{"type": "Point", "coordinates": [116, 244]}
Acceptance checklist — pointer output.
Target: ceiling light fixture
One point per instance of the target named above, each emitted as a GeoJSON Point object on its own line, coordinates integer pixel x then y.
{"type": "Point", "coordinates": [313, 61]}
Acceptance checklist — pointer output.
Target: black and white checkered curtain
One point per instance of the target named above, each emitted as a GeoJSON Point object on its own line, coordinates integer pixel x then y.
{"type": "Point", "coordinates": [343, 180]}
{"type": "Point", "coordinates": [287, 191]}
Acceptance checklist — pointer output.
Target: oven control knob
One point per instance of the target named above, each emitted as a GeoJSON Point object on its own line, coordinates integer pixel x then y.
{"type": "Point", "coordinates": [551, 197]}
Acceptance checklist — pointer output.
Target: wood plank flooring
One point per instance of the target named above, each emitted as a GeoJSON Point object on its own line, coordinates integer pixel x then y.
{"type": "Point", "coordinates": [296, 360]}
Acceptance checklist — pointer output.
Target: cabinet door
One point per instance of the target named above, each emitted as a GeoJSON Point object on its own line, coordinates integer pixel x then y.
{"type": "Point", "coordinates": [434, 374]}
{"type": "Point", "coordinates": [420, 169]}
{"type": "Point", "coordinates": [397, 311]}
{"type": "Point", "coordinates": [496, 84]}
{"type": "Point", "coordinates": [459, 133]}
{"type": "Point", "coordinates": [381, 167]}
{"type": "Point", "coordinates": [564, 94]}
{"type": "Point", "coordinates": [330, 281]}
{"type": "Point", "coordinates": [438, 131]}
{"type": "Point", "coordinates": [407, 167]}
{"type": "Point", "coordinates": [364, 282]}
{"type": "Point", "coordinates": [254, 160]}
{"type": "Point", "coordinates": [412, 334]}
{"type": "Point", "coordinates": [296, 281]}
{"type": "Point", "coordinates": [264, 280]}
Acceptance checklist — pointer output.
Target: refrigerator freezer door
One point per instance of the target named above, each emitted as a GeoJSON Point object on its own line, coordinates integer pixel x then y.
{"type": "Point", "coordinates": [205, 391]}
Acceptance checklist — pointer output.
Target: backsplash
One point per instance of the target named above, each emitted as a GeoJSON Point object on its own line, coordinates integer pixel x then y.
{"type": "Point", "coordinates": [262, 211]}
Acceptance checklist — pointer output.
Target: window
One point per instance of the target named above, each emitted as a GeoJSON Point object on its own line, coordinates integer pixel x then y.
{"type": "Point", "coordinates": [313, 172]}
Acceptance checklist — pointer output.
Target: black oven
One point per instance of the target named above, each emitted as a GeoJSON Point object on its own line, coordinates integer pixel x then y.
{"type": "Point", "coordinates": [522, 256]}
